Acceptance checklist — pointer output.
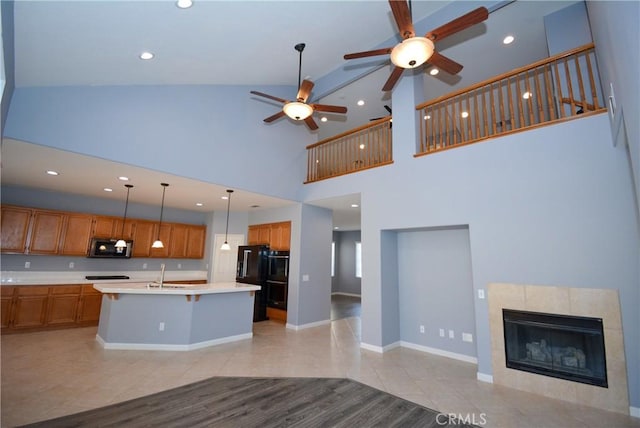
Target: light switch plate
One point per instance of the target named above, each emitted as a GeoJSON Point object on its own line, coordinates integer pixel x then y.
{"type": "Point", "coordinates": [305, 278]}
{"type": "Point", "coordinates": [481, 294]}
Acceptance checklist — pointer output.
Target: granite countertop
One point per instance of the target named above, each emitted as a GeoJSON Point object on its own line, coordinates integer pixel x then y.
{"type": "Point", "coordinates": [55, 278]}
{"type": "Point", "coordinates": [175, 289]}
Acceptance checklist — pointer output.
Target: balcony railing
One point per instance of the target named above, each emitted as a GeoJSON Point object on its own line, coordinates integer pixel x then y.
{"type": "Point", "coordinates": [554, 89]}
{"type": "Point", "coordinates": [361, 148]}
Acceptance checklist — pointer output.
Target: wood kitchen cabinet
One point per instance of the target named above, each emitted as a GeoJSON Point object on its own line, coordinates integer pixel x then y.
{"type": "Point", "coordinates": [15, 228]}
{"type": "Point", "coordinates": [143, 237]}
{"type": "Point", "coordinates": [179, 239]}
{"type": "Point", "coordinates": [6, 293]}
{"type": "Point", "coordinates": [46, 231]}
{"type": "Point", "coordinates": [63, 305]}
{"type": "Point", "coordinates": [111, 227]}
{"type": "Point", "coordinates": [76, 234]}
{"type": "Point", "coordinates": [165, 237]}
{"type": "Point", "coordinates": [29, 307]}
{"type": "Point", "coordinates": [89, 307]}
{"type": "Point", "coordinates": [276, 235]}
{"type": "Point", "coordinates": [196, 238]}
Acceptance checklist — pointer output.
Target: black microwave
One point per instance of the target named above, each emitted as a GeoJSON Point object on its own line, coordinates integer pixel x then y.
{"type": "Point", "coordinates": [106, 248]}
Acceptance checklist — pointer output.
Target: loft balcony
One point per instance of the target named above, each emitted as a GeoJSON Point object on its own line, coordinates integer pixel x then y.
{"type": "Point", "coordinates": [559, 88]}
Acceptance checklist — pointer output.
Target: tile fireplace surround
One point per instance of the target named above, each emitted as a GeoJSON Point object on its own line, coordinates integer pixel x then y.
{"type": "Point", "coordinates": [588, 302]}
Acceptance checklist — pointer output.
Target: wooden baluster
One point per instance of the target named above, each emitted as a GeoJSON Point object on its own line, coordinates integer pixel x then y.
{"type": "Point", "coordinates": [536, 82]}
{"type": "Point", "coordinates": [501, 107]}
{"type": "Point", "coordinates": [493, 110]}
{"type": "Point", "coordinates": [485, 116]}
{"type": "Point", "coordinates": [476, 113]}
{"type": "Point", "coordinates": [532, 119]}
{"type": "Point", "coordinates": [559, 90]}
{"type": "Point", "coordinates": [592, 83]}
{"type": "Point", "coordinates": [520, 105]}
{"type": "Point", "coordinates": [446, 125]}
{"type": "Point", "coordinates": [569, 87]}
{"type": "Point", "coordinates": [469, 118]}
{"type": "Point", "coordinates": [583, 98]}
{"type": "Point", "coordinates": [511, 115]}
{"type": "Point", "coordinates": [432, 125]}
{"type": "Point", "coordinates": [550, 103]}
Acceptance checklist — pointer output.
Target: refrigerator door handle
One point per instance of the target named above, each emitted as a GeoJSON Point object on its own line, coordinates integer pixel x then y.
{"type": "Point", "coordinates": [244, 262]}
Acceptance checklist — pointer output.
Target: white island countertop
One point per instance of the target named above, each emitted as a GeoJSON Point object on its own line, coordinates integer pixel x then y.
{"type": "Point", "coordinates": [174, 289]}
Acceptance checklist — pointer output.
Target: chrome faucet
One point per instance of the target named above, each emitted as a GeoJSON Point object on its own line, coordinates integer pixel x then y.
{"type": "Point", "coordinates": [161, 274]}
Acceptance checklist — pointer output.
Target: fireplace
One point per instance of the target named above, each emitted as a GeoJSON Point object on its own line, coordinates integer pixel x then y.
{"type": "Point", "coordinates": [560, 346]}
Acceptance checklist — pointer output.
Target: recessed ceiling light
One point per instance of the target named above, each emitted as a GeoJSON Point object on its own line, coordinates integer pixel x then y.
{"type": "Point", "coordinates": [508, 40]}
{"type": "Point", "coordinates": [527, 95]}
{"type": "Point", "coordinates": [224, 197]}
{"type": "Point", "coordinates": [464, 114]}
{"type": "Point", "coordinates": [360, 102]}
{"type": "Point", "coordinates": [184, 4]}
{"type": "Point", "coordinates": [146, 55]}
{"type": "Point", "coordinates": [199, 204]}
{"type": "Point", "coordinates": [354, 205]}
{"type": "Point", "coordinates": [434, 71]}
{"type": "Point", "coordinates": [52, 172]}
{"type": "Point", "coordinates": [108, 189]}
{"type": "Point", "coordinates": [123, 178]}
{"type": "Point", "coordinates": [323, 119]}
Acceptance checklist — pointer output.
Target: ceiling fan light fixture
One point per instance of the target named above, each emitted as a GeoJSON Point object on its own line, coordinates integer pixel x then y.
{"type": "Point", "coordinates": [297, 110]}
{"type": "Point", "coordinates": [412, 52]}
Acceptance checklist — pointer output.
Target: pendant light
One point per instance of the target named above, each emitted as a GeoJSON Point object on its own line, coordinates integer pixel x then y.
{"type": "Point", "coordinates": [121, 242]}
{"type": "Point", "coordinates": [226, 246]}
{"type": "Point", "coordinates": [158, 243]}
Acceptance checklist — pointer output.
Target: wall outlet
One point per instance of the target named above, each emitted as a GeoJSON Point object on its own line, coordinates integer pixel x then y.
{"type": "Point", "coordinates": [179, 265]}
{"type": "Point", "coordinates": [421, 329]}
{"type": "Point", "coordinates": [467, 337]}
{"type": "Point", "coordinates": [27, 265]}
{"type": "Point", "coordinates": [451, 334]}
{"type": "Point", "coordinates": [442, 332]}
{"type": "Point", "coordinates": [481, 294]}
{"type": "Point", "coordinates": [144, 265]}
{"type": "Point", "coordinates": [305, 278]}
{"type": "Point", "coordinates": [72, 265]}
{"type": "Point", "coordinates": [161, 327]}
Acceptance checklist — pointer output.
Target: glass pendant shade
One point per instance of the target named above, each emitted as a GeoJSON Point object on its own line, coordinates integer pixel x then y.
{"type": "Point", "coordinates": [121, 243]}
{"type": "Point", "coordinates": [226, 246]}
{"type": "Point", "coordinates": [297, 110]}
{"type": "Point", "coordinates": [412, 52]}
{"type": "Point", "coordinates": [158, 243]}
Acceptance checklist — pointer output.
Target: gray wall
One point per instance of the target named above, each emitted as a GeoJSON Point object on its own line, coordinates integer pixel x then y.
{"type": "Point", "coordinates": [9, 58]}
{"type": "Point", "coordinates": [436, 288]}
{"type": "Point", "coordinates": [345, 280]}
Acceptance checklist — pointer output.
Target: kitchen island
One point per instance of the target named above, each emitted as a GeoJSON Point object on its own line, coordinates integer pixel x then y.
{"type": "Point", "coordinates": [174, 317]}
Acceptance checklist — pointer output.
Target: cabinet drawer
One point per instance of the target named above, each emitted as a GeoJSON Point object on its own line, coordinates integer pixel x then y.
{"type": "Point", "coordinates": [6, 291]}
{"type": "Point", "coordinates": [65, 289]}
{"type": "Point", "coordinates": [32, 291]}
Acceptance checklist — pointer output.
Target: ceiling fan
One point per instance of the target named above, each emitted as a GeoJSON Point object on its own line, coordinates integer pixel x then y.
{"type": "Point", "coordinates": [387, 108]}
{"type": "Point", "coordinates": [300, 109]}
{"type": "Point", "coordinates": [414, 51]}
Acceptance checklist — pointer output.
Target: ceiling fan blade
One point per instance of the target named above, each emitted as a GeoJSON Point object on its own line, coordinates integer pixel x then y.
{"type": "Point", "coordinates": [305, 90]}
{"type": "Point", "coordinates": [278, 115]}
{"type": "Point", "coordinates": [365, 54]}
{"type": "Point", "coordinates": [269, 96]}
{"type": "Point", "coordinates": [401, 13]}
{"type": "Point", "coordinates": [444, 63]}
{"type": "Point", "coordinates": [311, 123]}
{"type": "Point", "coordinates": [465, 21]}
{"type": "Point", "coordinates": [387, 108]}
{"type": "Point", "coordinates": [328, 108]}
{"type": "Point", "coordinates": [391, 81]}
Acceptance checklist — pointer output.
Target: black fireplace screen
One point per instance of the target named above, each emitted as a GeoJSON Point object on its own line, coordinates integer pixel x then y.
{"type": "Point", "coordinates": [560, 346]}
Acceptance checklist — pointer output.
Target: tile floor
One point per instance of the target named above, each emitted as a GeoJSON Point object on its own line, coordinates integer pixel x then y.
{"type": "Point", "coordinates": [49, 374]}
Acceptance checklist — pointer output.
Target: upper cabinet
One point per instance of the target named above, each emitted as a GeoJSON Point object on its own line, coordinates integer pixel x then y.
{"type": "Point", "coordinates": [276, 235]}
{"type": "Point", "coordinates": [15, 226]}
{"type": "Point", "coordinates": [36, 231]}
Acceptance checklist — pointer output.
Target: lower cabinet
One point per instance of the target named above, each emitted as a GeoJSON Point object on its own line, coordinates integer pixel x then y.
{"type": "Point", "coordinates": [63, 305]}
{"type": "Point", "coordinates": [90, 303]}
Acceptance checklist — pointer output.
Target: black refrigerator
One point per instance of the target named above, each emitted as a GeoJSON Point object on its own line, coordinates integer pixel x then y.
{"type": "Point", "coordinates": [252, 268]}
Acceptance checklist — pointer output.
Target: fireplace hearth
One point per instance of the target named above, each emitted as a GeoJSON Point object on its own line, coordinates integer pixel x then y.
{"type": "Point", "coordinates": [560, 346]}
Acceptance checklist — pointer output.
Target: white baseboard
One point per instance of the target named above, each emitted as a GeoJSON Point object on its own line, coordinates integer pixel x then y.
{"type": "Point", "coordinates": [483, 377]}
{"type": "Point", "coordinates": [379, 349]}
{"type": "Point", "coordinates": [309, 325]}
{"type": "Point", "coordinates": [169, 347]}
{"type": "Point", "coordinates": [634, 412]}
{"type": "Point", "coordinates": [442, 353]}
{"type": "Point", "coordinates": [345, 294]}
